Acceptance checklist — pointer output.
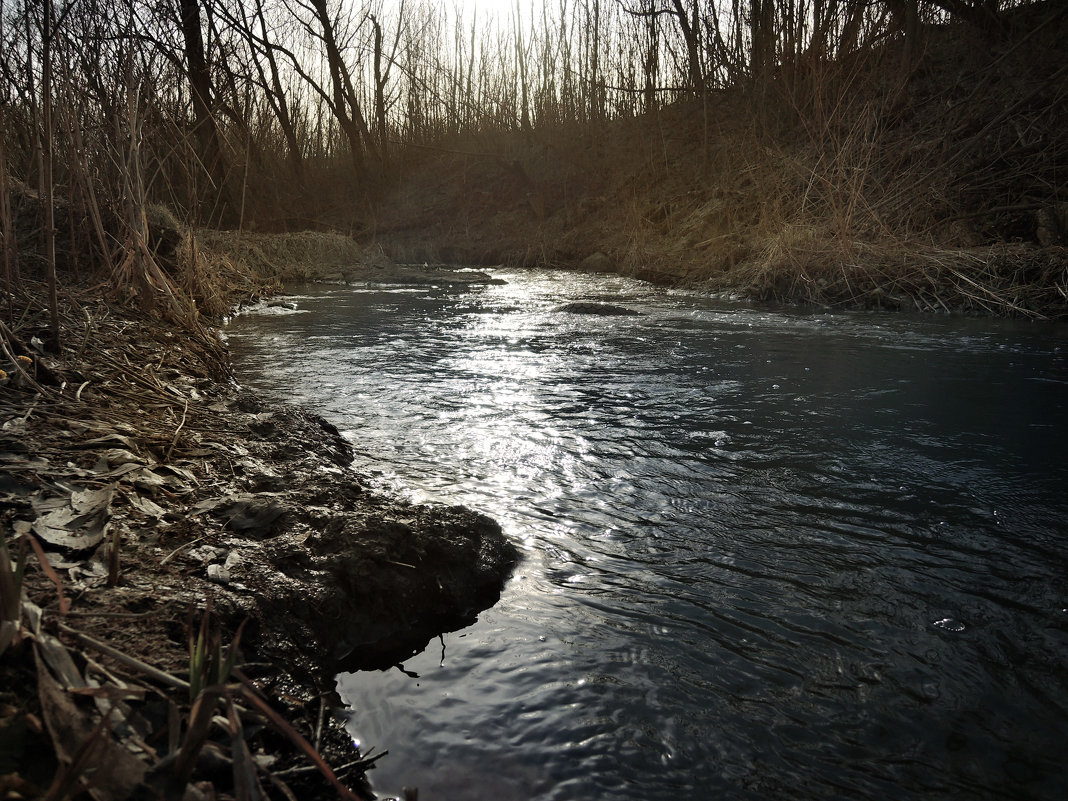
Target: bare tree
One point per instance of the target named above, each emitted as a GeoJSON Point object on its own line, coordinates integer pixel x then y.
{"type": "Point", "coordinates": [344, 102]}
{"type": "Point", "coordinates": [48, 27]}
{"type": "Point", "coordinates": [199, 76]}
{"type": "Point", "coordinates": [383, 66]}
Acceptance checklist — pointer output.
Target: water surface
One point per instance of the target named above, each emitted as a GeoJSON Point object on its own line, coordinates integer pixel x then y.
{"type": "Point", "coordinates": [767, 553]}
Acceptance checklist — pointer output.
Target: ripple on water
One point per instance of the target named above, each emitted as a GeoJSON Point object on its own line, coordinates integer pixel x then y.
{"type": "Point", "coordinates": [768, 553]}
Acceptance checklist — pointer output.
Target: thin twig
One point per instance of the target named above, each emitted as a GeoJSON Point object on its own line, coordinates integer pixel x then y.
{"type": "Point", "coordinates": [179, 549]}
{"type": "Point", "coordinates": [174, 439]}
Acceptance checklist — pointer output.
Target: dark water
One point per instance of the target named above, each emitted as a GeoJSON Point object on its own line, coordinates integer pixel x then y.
{"type": "Point", "coordinates": [768, 554]}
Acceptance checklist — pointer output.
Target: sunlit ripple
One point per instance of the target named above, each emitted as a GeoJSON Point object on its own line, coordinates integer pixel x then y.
{"type": "Point", "coordinates": [768, 553]}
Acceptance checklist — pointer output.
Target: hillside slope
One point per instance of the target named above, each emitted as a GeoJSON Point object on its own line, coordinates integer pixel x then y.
{"type": "Point", "coordinates": [931, 178]}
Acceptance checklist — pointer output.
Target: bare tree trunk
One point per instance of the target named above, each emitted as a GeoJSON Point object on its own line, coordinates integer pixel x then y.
{"type": "Point", "coordinates": [597, 75]}
{"type": "Point", "coordinates": [8, 228]}
{"type": "Point", "coordinates": [279, 104]}
{"type": "Point", "coordinates": [651, 67]}
{"type": "Point", "coordinates": [689, 23]}
{"type": "Point", "coordinates": [383, 65]}
{"type": "Point", "coordinates": [851, 30]}
{"type": "Point", "coordinates": [521, 63]}
{"type": "Point", "coordinates": [567, 88]}
{"type": "Point", "coordinates": [380, 89]}
{"type": "Point", "coordinates": [471, 101]}
{"type": "Point", "coordinates": [690, 26]}
{"type": "Point", "coordinates": [199, 76]}
{"type": "Point", "coordinates": [762, 20]}
{"type": "Point", "coordinates": [906, 16]}
{"type": "Point", "coordinates": [346, 106]}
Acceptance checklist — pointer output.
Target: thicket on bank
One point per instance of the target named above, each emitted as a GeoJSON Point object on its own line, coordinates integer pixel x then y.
{"type": "Point", "coordinates": [925, 171]}
{"type": "Point", "coordinates": [890, 155]}
{"type": "Point", "coordinates": [815, 148]}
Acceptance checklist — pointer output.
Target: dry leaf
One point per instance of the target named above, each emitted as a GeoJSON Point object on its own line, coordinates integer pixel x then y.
{"type": "Point", "coordinates": [77, 522]}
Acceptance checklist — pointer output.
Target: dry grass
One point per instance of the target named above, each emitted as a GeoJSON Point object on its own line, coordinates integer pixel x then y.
{"type": "Point", "coordinates": [215, 277]}
{"type": "Point", "coordinates": [865, 203]}
{"type": "Point", "coordinates": [1004, 279]}
{"type": "Point", "coordinates": [212, 269]}
{"type": "Point", "coordinates": [292, 256]}
{"type": "Point", "coordinates": [924, 180]}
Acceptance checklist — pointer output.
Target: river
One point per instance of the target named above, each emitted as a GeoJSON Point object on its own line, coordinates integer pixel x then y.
{"type": "Point", "coordinates": [768, 553]}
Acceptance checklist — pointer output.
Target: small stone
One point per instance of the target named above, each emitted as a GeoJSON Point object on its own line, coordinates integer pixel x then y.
{"type": "Point", "coordinates": [219, 574]}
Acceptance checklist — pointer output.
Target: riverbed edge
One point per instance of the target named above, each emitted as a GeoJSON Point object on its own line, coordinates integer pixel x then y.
{"type": "Point", "coordinates": [219, 502]}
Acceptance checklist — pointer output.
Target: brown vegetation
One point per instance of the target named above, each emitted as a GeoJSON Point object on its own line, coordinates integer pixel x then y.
{"type": "Point", "coordinates": [830, 150]}
{"type": "Point", "coordinates": [918, 175]}
{"type": "Point", "coordinates": [160, 162]}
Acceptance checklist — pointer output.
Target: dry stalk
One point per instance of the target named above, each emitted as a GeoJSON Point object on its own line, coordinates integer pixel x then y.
{"type": "Point", "coordinates": [131, 662]}
{"type": "Point", "coordinates": [7, 228]}
{"type": "Point", "coordinates": [48, 28]}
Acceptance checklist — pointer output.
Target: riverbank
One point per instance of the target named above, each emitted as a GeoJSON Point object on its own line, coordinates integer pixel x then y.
{"type": "Point", "coordinates": [922, 177]}
{"type": "Point", "coordinates": [164, 501]}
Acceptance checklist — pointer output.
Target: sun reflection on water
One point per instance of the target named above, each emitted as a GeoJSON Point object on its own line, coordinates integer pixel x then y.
{"type": "Point", "coordinates": [716, 570]}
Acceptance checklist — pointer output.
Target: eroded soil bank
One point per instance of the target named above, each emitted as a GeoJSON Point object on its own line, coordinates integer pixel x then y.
{"type": "Point", "coordinates": [158, 489]}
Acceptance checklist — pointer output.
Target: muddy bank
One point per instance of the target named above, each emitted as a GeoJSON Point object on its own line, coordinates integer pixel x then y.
{"type": "Point", "coordinates": [158, 489]}
{"type": "Point", "coordinates": [354, 578]}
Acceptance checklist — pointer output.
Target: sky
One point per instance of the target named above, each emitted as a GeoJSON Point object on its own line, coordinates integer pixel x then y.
{"type": "Point", "coordinates": [500, 7]}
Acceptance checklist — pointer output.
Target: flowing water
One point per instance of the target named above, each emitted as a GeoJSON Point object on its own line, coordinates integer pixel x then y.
{"type": "Point", "coordinates": [767, 554]}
